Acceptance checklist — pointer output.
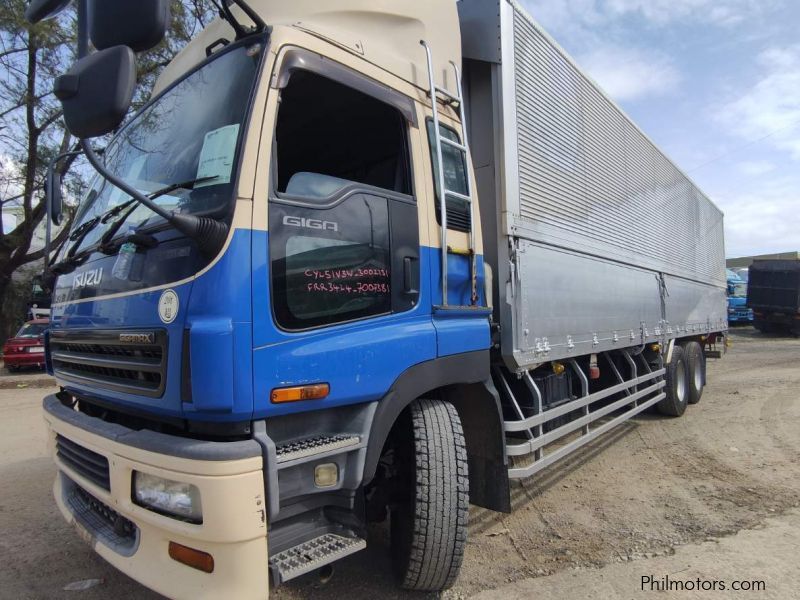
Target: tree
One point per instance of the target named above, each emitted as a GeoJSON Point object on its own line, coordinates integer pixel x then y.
{"type": "Point", "coordinates": [32, 132]}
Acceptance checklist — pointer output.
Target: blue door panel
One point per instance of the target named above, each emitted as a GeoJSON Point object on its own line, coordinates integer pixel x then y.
{"type": "Point", "coordinates": [360, 362]}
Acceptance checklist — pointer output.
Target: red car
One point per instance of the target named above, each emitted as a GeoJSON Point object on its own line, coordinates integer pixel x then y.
{"type": "Point", "coordinates": [26, 349]}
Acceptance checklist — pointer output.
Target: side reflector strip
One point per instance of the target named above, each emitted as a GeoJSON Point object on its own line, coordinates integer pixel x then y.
{"type": "Point", "coordinates": [190, 557]}
{"type": "Point", "coordinates": [303, 392]}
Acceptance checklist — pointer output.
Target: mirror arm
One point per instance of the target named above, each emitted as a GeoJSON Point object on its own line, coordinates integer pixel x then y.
{"type": "Point", "coordinates": [83, 28]}
{"type": "Point", "coordinates": [251, 14]}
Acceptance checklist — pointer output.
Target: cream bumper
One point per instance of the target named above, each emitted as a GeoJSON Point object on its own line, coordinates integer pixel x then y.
{"type": "Point", "coordinates": [228, 475]}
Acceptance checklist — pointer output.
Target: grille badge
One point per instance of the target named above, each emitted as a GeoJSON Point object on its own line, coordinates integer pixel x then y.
{"type": "Point", "coordinates": [137, 338]}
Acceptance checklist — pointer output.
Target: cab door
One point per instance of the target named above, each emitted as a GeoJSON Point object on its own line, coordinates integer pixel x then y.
{"type": "Point", "coordinates": [341, 299]}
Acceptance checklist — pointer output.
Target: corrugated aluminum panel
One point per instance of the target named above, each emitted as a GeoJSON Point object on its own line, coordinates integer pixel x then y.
{"type": "Point", "coordinates": [591, 181]}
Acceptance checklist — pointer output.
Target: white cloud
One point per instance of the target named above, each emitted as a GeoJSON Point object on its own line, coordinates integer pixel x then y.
{"type": "Point", "coordinates": [660, 12]}
{"type": "Point", "coordinates": [770, 109]}
{"type": "Point", "coordinates": [754, 168]}
{"type": "Point", "coordinates": [630, 74]}
{"type": "Point", "coordinates": [567, 14]}
{"type": "Point", "coordinates": [763, 221]}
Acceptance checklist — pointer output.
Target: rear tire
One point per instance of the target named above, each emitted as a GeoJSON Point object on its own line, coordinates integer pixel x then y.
{"type": "Point", "coordinates": [429, 528]}
{"type": "Point", "coordinates": [696, 364]}
{"type": "Point", "coordinates": [677, 388]}
{"type": "Point", "coordinates": [762, 326]}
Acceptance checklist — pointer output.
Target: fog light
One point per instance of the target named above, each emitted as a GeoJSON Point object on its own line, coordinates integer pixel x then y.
{"type": "Point", "coordinates": [326, 475]}
{"type": "Point", "coordinates": [172, 498]}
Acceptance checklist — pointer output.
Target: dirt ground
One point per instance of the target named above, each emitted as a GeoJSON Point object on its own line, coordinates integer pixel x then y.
{"type": "Point", "coordinates": [694, 496]}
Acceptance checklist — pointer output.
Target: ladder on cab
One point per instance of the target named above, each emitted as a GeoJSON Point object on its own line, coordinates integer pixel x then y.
{"type": "Point", "coordinates": [441, 186]}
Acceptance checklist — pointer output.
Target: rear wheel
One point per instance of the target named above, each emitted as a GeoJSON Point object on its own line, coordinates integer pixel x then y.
{"type": "Point", "coordinates": [429, 524]}
{"type": "Point", "coordinates": [696, 364]}
{"type": "Point", "coordinates": [761, 326]}
{"type": "Point", "coordinates": [677, 388]}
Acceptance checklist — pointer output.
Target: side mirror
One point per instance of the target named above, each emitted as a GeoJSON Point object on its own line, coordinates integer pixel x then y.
{"type": "Point", "coordinates": [54, 197]}
{"type": "Point", "coordinates": [97, 91]}
{"type": "Point", "coordinates": [139, 25]}
{"type": "Point", "coordinates": [39, 10]}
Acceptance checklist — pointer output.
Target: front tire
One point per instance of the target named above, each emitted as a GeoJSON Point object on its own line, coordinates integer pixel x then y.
{"type": "Point", "coordinates": [429, 526]}
{"type": "Point", "coordinates": [696, 364]}
{"type": "Point", "coordinates": [677, 388]}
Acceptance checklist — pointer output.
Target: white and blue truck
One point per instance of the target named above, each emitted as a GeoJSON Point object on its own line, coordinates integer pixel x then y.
{"type": "Point", "coordinates": [355, 261]}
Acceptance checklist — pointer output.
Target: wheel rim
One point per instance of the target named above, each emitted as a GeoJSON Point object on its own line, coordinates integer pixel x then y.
{"type": "Point", "coordinates": [680, 382]}
{"type": "Point", "coordinates": [698, 375]}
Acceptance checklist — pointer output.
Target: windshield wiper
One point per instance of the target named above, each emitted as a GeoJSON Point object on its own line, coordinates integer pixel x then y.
{"type": "Point", "coordinates": [105, 244]}
{"type": "Point", "coordinates": [73, 258]}
{"type": "Point", "coordinates": [209, 234]}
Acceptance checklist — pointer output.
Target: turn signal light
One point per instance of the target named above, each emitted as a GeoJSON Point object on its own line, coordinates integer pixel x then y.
{"type": "Point", "coordinates": [190, 557]}
{"type": "Point", "coordinates": [302, 392]}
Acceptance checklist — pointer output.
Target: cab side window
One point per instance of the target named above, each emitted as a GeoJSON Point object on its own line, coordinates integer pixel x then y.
{"type": "Point", "coordinates": [455, 178]}
{"type": "Point", "coordinates": [344, 241]}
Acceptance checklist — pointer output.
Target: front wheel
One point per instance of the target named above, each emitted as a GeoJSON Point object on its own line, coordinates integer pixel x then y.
{"type": "Point", "coordinates": [677, 388]}
{"type": "Point", "coordinates": [429, 523]}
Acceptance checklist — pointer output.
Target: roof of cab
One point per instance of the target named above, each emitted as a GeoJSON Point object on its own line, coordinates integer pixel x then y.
{"type": "Point", "coordinates": [386, 33]}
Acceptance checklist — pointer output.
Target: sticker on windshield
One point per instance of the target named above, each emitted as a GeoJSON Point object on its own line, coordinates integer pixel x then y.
{"type": "Point", "coordinates": [168, 306]}
{"type": "Point", "coordinates": [216, 157]}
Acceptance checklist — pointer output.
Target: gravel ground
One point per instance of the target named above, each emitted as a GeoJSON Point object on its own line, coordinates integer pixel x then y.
{"type": "Point", "coordinates": [709, 494]}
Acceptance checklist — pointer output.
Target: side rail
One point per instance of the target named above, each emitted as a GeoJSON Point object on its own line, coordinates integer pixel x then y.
{"type": "Point", "coordinates": [558, 408]}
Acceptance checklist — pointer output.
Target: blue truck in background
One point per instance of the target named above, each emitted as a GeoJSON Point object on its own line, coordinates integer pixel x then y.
{"type": "Point", "coordinates": [738, 311]}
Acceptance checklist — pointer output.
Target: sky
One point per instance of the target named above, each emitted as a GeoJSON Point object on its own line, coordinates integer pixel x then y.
{"type": "Point", "coordinates": [716, 85]}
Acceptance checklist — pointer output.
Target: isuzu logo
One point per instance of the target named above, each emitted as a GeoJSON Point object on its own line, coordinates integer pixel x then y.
{"type": "Point", "coordinates": [310, 223]}
{"type": "Point", "coordinates": [87, 278]}
{"type": "Point", "coordinates": [137, 338]}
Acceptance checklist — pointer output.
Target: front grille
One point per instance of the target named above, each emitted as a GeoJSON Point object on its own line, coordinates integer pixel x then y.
{"type": "Point", "coordinates": [91, 465]}
{"type": "Point", "coordinates": [119, 360]}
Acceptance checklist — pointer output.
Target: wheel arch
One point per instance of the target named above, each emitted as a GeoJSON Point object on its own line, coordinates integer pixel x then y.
{"type": "Point", "coordinates": [463, 380]}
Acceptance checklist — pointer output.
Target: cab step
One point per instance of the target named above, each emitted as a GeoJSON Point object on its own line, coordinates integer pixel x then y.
{"type": "Point", "coordinates": [314, 447]}
{"type": "Point", "coordinates": [312, 555]}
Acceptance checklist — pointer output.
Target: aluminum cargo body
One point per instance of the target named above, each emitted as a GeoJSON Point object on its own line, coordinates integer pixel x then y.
{"type": "Point", "coordinates": [597, 239]}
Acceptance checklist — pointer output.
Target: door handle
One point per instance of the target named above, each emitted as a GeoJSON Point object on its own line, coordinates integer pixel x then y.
{"type": "Point", "coordinates": [408, 276]}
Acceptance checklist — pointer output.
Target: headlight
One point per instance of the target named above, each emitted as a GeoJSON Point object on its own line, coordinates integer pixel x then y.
{"type": "Point", "coordinates": [173, 498]}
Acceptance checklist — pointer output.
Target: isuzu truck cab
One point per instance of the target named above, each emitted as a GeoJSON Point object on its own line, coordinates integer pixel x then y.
{"type": "Point", "coordinates": [302, 296]}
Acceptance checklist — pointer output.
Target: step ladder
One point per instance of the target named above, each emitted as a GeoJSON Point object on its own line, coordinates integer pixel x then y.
{"type": "Point", "coordinates": [438, 141]}
{"type": "Point", "coordinates": [312, 555]}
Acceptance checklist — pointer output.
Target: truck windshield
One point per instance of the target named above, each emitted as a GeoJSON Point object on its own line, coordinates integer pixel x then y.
{"type": "Point", "coordinates": [188, 135]}
{"type": "Point", "coordinates": [739, 290]}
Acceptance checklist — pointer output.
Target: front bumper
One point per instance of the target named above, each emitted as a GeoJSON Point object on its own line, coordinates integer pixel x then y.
{"type": "Point", "coordinates": [228, 475]}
